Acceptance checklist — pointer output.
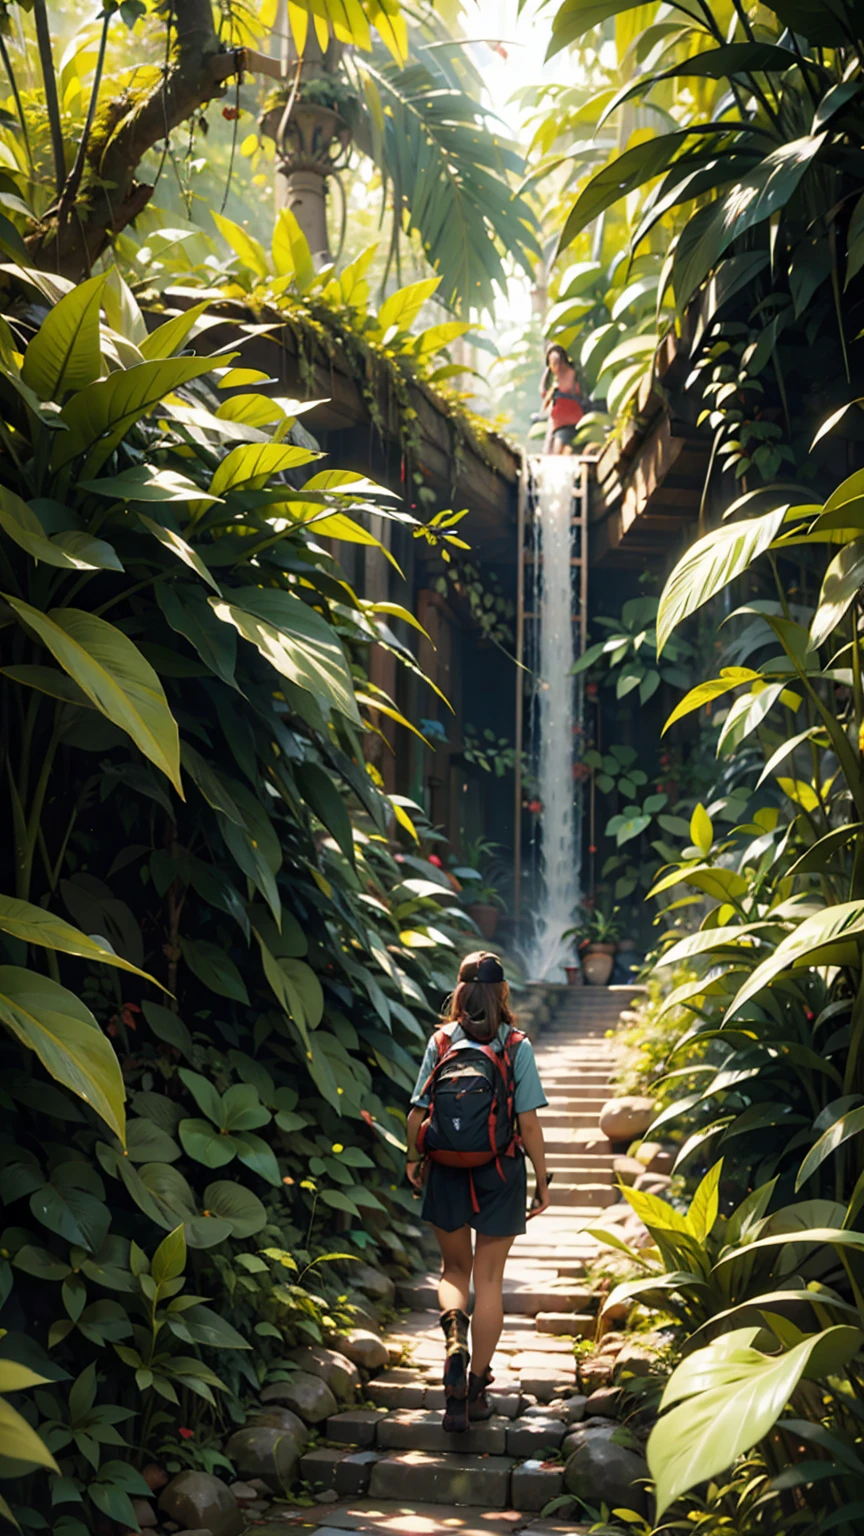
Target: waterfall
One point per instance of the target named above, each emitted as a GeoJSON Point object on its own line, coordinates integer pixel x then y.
{"type": "Point", "coordinates": [555, 717]}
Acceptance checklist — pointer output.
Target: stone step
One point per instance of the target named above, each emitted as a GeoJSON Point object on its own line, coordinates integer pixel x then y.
{"type": "Point", "coordinates": [524, 1300]}
{"type": "Point", "coordinates": [600, 1195]}
{"type": "Point", "coordinates": [446, 1478]}
{"type": "Point", "coordinates": [423, 1431]}
{"type": "Point", "coordinates": [571, 1325]}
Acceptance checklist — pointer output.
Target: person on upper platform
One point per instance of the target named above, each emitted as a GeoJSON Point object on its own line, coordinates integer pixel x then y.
{"type": "Point", "coordinates": [563, 400]}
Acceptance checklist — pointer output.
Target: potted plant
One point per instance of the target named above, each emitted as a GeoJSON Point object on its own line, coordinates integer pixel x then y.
{"type": "Point", "coordinates": [480, 894]}
{"type": "Point", "coordinates": [598, 934]}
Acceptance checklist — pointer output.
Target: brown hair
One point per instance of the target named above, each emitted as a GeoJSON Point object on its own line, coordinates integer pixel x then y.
{"type": "Point", "coordinates": [481, 1007]}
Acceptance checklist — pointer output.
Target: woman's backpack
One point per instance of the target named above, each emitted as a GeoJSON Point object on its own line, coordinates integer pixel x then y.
{"type": "Point", "coordinates": [470, 1120]}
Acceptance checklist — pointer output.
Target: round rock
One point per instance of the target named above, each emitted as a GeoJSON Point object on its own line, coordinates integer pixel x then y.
{"type": "Point", "coordinates": [340, 1373]}
{"type": "Point", "coordinates": [626, 1119]}
{"type": "Point", "coordinates": [365, 1349]}
{"type": "Point", "coordinates": [261, 1450]}
{"type": "Point", "coordinates": [309, 1396]}
{"type": "Point", "coordinates": [273, 1417]}
{"type": "Point", "coordinates": [373, 1283]}
{"type": "Point", "coordinates": [198, 1501]}
{"type": "Point", "coordinates": [600, 1471]}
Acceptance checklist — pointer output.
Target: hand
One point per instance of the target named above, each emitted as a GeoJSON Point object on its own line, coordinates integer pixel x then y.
{"type": "Point", "coordinates": [540, 1203]}
{"type": "Point", "coordinates": [412, 1170]}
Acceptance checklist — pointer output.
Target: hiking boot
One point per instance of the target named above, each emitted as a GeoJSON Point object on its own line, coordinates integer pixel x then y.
{"type": "Point", "coordinates": [455, 1326]}
{"type": "Point", "coordinates": [479, 1406]}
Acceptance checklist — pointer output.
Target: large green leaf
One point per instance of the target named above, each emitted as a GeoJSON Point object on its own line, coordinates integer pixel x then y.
{"type": "Point", "coordinates": [23, 526]}
{"type": "Point", "coordinates": [576, 17]}
{"type": "Point", "coordinates": [214, 968]}
{"type": "Point", "coordinates": [99, 416]}
{"type": "Point", "coordinates": [64, 354]}
{"type": "Point", "coordinates": [177, 546]}
{"type": "Point", "coordinates": [187, 610]}
{"type": "Point", "coordinates": [750, 201]}
{"type": "Point", "coordinates": [710, 564]}
{"type": "Point", "coordinates": [641, 163]}
{"type": "Point", "coordinates": [233, 1203]}
{"type": "Point", "coordinates": [253, 464]}
{"type": "Point", "coordinates": [52, 1022]}
{"type": "Point", "coordinates": [21, 1443]}
{"type": "Point", "coordinates": [840, 585]}
{"type": "Point", "coordinates": [729, 1396]}
{"type": "Point", "coordinates": [839, 1129]}
{"type": "Point", "coordinates": [813, 942]}
{"type": "Point", "coordinates": [327, 803]}
{"type": "Point", "coordinates": [296, 641]}
{"type": "Point", "coordinates": [33, 925]}
{"type": "Point", "coordinates": [115, 677]}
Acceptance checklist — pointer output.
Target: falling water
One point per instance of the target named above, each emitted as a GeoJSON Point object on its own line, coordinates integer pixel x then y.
{"type": "Point", "coordinates": [555, 717]}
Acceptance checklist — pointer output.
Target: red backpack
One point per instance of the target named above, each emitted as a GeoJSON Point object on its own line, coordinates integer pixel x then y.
{"type": "Point", "coordinates": [470, 1120]}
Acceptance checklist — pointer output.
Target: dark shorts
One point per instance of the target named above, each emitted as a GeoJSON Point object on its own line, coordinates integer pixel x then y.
{"type": "Point", "coordinates": [503, 1202]}
{"type": "Point", "coordinates": [563, 435]}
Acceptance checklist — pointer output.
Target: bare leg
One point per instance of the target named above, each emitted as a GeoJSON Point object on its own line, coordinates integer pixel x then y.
{"type": "Point", "coordinates": [456, 1259]}
{"type": "Point", "coordinates": [488, 1318]}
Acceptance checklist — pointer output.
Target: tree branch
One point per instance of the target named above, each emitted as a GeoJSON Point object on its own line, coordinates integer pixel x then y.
{"type": "Point", "coordinates": [69, 239]}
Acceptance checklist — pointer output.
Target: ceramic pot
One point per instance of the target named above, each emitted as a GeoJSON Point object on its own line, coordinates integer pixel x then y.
{"type": "Point", "coordinates": [486, 917]}
{"type": "Point", "coordinates": [597, 963]}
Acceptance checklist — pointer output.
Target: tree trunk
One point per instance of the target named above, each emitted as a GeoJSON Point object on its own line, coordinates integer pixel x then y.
{"type": "Point", "coordinates": [70, 241]}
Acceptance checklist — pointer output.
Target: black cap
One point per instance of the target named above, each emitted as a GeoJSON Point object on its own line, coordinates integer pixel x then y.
{"type": "Point", "coordinates": [490, 969]}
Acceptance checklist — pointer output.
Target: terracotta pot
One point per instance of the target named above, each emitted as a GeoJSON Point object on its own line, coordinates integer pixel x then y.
{"type": "Point", "coordinates": [486, 917]}
{"type": "Point", "coordinates": [597, 963]}
{"type": "Point", "coordinates": [574, 975]}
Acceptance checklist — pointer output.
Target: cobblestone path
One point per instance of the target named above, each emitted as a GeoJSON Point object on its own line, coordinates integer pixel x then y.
{"type": "Point", "coordinates": [392, 1467]}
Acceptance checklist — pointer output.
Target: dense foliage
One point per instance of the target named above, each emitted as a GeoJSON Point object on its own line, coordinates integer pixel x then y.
{"type": "Point", "coordinates": [216, 961]}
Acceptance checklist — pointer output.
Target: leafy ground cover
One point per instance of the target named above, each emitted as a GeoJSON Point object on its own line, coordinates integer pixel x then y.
{"type": "Point", "coordinates": [217, 966]}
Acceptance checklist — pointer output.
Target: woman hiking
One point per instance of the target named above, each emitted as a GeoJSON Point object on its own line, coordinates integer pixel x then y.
{"type": "Point", "coordinates": [473, 1119]}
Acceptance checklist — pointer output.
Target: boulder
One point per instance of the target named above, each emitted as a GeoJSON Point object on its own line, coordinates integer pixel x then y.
{"type": "Point", "coordinates": [244, 1493]}
{"type": "Point", "coordinates": [274, 1417]}
{"type": "Point", "coordinates": [626, 1119]}
{"type": "Point", "coordinates": [266, 1452]}
{"type": "Point", "coordinates": [655, 1157]}
{"type": "Point", "coordinates": [595, 1371]}
{"type": "Point", "coordinates": [309, 1396]}
{"type": "Point", "coordinates": [364, 1348]}
{"type": "Point", "coordinates": [599, 1471]}
{"type": "Point", "coordinates": [634, 1360]}
{"type": "Point", "coordinates": [627, 1169]}
{"type": "Point", "coordinates": [145, 1514]}
{"type": "Point", "coordinates": [603, 1403]}
{"type": "Point", "coordinates": [198, 1501]}
{"type": "Point", "coordinates": [572, 1409]}
{"type": "Point", "coordinates": [340, 1374]}
{"type": "Point", "coordinates": [373, 1283]}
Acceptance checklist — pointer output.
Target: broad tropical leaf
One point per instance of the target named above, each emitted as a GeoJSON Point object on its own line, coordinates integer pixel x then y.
{"type": "Point", "coordinates": [98, 417]}
{"type": "Point", "coordinates": [33, 925]}
{"type": "Point", "coordinates": [729, 1396]}
{"type": "Point", "coordinates": [709, 565]}
{"type": "Point", "coordinates": [64, 354]}
{"type": "Point", "coordinates": [114, 675]}
{"type": "Point", "coordinates": [51, 1021]}
{"type": "Point", "coordinates": [840, 585]}
{"type": "Point", "coordinates": [816, 941]}
{"type": "Point", "coordinates": [297, 643]}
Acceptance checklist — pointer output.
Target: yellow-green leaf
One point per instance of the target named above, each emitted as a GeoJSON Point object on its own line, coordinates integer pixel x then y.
{"type": "Point", "coordinates": [114, 675]}
{"type": "Point", "coordinates": [55, 1024]}
{"type": "Point", "coordinates": [168, 337]}
{"type": "Point", "coordinates": [180, 548]}
{"type": "Point", "coordinates": [701, 830]}
{"type": "Point", "coordinates": [291, 254]}
{"type": "Point", "coordinates": [250, 250]}
{"type": "Point", "coordinates": [296, 641]}
{"type": "Point", "coordinates": [402, 307]}
{"type": "Point", "coordinates": [64, 354]}
{"type": "Point", "coordinates": [33, 925]}
{"type": "Point", "coordinates": [252, 465]}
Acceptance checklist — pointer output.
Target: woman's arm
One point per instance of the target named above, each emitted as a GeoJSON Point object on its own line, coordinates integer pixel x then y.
{"type": "Point", "coordinates": [531, 1132]}
{"type": "Point", "coordinates": [416, 1117]}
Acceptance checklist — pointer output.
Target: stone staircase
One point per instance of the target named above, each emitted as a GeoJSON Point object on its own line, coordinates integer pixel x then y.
{"type": "Point", "coordinates": [390, 1467]}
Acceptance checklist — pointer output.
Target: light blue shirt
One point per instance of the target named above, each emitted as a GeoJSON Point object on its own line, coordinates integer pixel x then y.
{"type": "Point", "coordinates": [526, 1079]}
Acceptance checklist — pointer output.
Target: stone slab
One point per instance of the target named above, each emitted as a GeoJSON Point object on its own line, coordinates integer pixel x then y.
{"type": "Point", "coordinates": [392, 1518]}
{"type": "Point", "coordinates": [444, 1479]}
{"type": "Point", "coordinates": [581, 1325]}
{"type": "Point", "coordinates": [356, 1427]}
{"type": "Point", "coordinates": [318, 1467]}
{"type": "Point", "coordinates": [535, 1436]}
{"type": "Point", "coordinates": [396, 1394]}
{"type": "Point", "coordinates": [534, 1484]}
{"type": "Point", "coordinates": [354, 1472]}
{"type": "Point", "coordinates": [420, 1431]}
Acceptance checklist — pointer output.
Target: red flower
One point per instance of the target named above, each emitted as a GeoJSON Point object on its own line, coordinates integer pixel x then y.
{"type": "Point", "coordinates": [186, 1434]}
{"type": "Point", "coordinates": [591, 848]}
{"type": "Point", "coordinates": [229, 114]}
{"type": "Point", "coordinates": [365, 1115]}
{"type": "Point", "coordinates": [434, 859]}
